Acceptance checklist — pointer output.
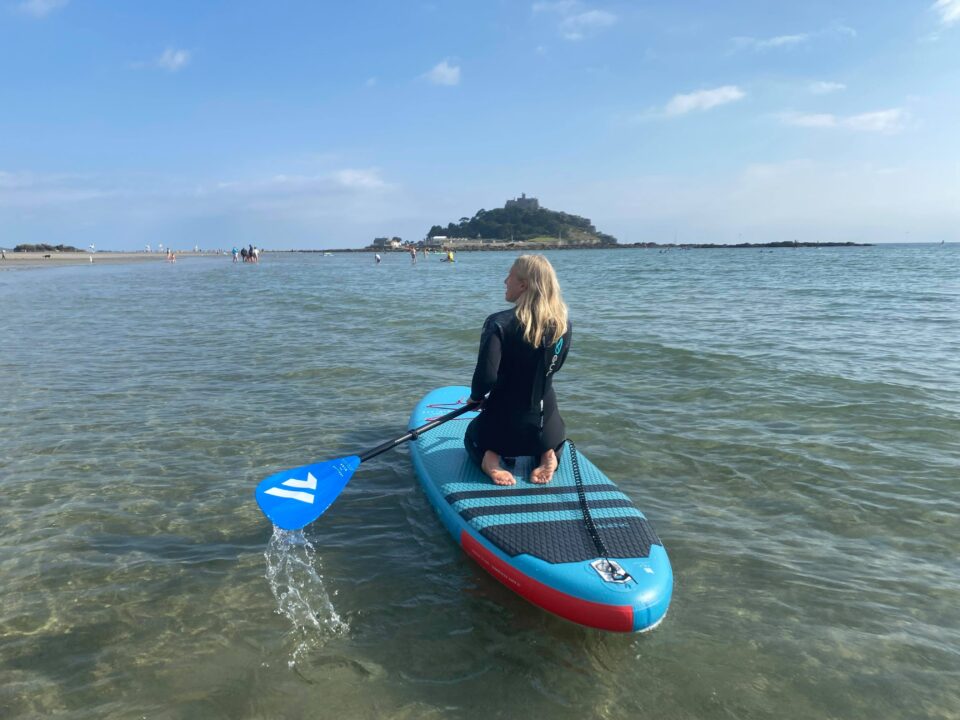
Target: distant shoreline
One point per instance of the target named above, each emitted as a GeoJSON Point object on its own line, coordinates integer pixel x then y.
{"type": "Point", "coordinates": [30, 260]}
{"type": "Point", "coordinates": [513, 247]}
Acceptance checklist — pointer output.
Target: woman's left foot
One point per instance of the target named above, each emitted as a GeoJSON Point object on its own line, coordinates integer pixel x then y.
{"type": "Point", "coordinates": [543, 474]}
{"type": "Point", "coordinates": [491, 466]}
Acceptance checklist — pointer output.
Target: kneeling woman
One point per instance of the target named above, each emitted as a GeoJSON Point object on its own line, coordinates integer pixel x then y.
{"type": "Point", "coordinates": [521, 349]}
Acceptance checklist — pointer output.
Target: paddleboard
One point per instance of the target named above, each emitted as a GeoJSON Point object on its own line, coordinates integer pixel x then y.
{"type": "Point", "coordinates": [596, 562]}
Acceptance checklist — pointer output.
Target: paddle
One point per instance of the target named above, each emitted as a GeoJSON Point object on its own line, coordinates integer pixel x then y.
{"type": "Point", "coordinates": [292, 499]}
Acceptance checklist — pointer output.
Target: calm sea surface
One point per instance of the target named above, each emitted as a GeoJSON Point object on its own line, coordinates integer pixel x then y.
{"type": "Point", "coordinates": [789, 420]}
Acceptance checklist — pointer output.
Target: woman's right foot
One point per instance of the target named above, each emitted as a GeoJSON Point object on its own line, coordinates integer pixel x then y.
{"type": "Point", "coordinates": [548, 466]}
{"type": "Point", "coordinates": [491, 466]}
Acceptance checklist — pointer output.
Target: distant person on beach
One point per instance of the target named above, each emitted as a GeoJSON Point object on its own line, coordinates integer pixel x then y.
{"type": "Point", "coordinates": [236, 253]}
{"type": "Point", "coordinates": [376, 256]}
{"type": "Point", "coordinates": [521, 349]}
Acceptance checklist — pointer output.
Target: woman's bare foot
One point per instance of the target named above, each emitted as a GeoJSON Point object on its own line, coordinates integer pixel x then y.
{"type": "Point", "coordinates": [543, 474]}
{"type": "Point", "coordinates": [491, 466]}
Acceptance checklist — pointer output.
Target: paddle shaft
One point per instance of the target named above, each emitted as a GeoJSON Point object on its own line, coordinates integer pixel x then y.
{"type": "Point", "coordinates": [416, 432]}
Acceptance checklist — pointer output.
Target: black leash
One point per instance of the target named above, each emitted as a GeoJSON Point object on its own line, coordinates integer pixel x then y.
{"type": "Point", "coordinates": [584, 508]}
{"type": "Point", "coordinates": [616, 573]}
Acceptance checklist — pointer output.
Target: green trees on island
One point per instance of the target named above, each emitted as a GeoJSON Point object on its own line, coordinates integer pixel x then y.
{"type": "Point", "coordinates": [43, 247]}
{"type": "Point", "coordinates": [517, 223]}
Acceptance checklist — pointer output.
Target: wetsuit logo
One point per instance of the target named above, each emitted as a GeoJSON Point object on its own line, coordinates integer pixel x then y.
{"type": "Point", "coordinates": [556, 356]}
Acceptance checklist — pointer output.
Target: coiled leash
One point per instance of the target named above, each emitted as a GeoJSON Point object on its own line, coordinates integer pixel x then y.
{"type": "Point", "coordinates": [604, 566]}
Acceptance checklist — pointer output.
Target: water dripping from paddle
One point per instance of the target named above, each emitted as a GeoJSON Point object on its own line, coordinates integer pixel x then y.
{"type": "Point", "coordinates": [293, 571]}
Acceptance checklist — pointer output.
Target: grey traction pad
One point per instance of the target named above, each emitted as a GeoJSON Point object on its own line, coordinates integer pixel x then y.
{"type": "Point", "coordinates": [566, 541]}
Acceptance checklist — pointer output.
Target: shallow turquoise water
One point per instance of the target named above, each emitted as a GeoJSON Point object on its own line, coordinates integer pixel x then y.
{"type": "Point", "coordinates": [789, 421]}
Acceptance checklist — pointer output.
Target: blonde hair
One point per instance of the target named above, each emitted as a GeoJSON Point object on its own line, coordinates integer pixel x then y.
{"type": "Point", "coordinates": [540, 308]}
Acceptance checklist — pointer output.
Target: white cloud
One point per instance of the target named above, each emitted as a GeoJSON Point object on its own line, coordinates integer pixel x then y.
{"type": "Point", "coordinates": [173, 59]}
{"type": "Point", "coordinates": [822, 87]}
{"type": "Point", "coordinates": [339, 204]}
{"type": "Point", "coordinates": [775, 42]}
{"type": "Point", "coordinates": [576, 20]}
{"type": "Point", "coordinates": [884, 121]}
{"type": "Point", "coordinates": [332, 183]}
{"type": "Point", "coordinates": [949, 11]}
{"type": "Point", "coordinates": [443, 73]}
{"type": "Point", "coordinates": [361, 179]}
{"type": "Point", "coordinates": [703, 100]}
{"type": "Point", "coordinates": [811, 120]}
{"type": "Point", "coordinates": [803, 198]}
{"type": "Point", "coordinates": [561, 6]}
{"type": "Point", "coordinates": [27, 190]}
{"type": "Point", "coordinates": [576, 27]}
{"type": "Point", "coordinates": [838, 29]}
{"type": "Point", "coordinates": [40, 8]}
{"type": "Point", "coordinates": [881, 121]}
{"type": "Point", "coordinates": [793, 40]}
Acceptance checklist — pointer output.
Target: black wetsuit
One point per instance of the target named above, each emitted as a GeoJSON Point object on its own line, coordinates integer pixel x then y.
{"type": "Point", "coordinates": [518, 377]}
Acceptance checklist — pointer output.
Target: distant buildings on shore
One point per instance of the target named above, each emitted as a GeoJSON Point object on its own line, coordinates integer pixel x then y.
{"type": "Point", "coordinates": [384, 243]}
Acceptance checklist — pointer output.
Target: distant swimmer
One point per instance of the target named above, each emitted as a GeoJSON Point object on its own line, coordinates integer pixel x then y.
{"type": "Point", "coordinates": [413, 255]}
{"type": "Point", "coordinates": [450, 256]}
{"type": "Point", "coordinates": [377, 257]}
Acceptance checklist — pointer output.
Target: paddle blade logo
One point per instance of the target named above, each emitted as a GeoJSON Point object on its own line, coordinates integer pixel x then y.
{"type": "Point", "coordinates": [294, 498]}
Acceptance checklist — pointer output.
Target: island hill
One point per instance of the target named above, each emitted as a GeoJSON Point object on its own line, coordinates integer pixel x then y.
{"type": "Point", "coordinates": [521, 222]}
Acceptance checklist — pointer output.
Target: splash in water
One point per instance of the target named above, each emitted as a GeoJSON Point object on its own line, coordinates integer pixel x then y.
{"type": "Point", "coordinates": [292, 571]}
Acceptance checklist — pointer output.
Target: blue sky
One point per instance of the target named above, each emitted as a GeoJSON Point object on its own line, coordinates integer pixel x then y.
{"type": "Point", "coordinates": [315, 124]}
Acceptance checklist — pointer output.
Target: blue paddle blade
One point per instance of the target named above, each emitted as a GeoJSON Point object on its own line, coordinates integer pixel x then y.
{"type": "Point", "coordinates": [294, 498]}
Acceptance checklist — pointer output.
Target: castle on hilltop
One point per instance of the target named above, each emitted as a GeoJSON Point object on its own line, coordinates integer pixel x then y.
{"type": "Point", "coordinates": [523, 203]}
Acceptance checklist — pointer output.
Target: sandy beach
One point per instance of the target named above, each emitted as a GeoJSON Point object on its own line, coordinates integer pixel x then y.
{"type": "Point", "coordinates": [33, 260]}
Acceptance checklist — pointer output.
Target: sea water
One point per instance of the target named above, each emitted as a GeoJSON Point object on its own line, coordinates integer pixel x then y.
{"type": "Point", "coordinates": [788, 419]}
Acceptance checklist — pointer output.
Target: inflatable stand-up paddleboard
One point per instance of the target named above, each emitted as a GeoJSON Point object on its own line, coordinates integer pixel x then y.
{"type": "Point", "coordinates": [577, 547]}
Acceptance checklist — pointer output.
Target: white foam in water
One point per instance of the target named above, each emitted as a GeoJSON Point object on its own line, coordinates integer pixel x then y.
{"type": "Point", "coordinates": [292, 571]}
